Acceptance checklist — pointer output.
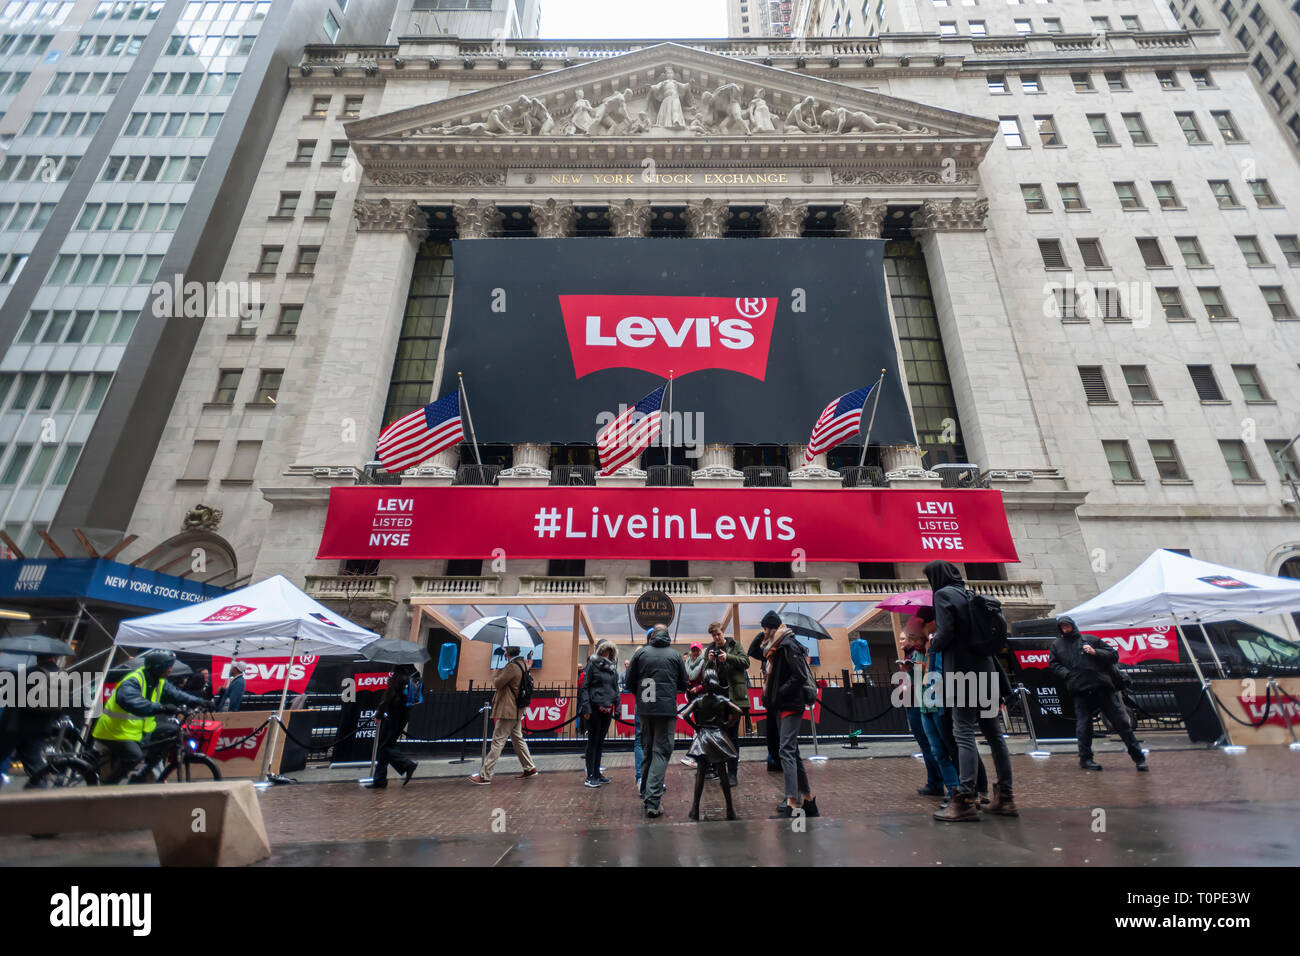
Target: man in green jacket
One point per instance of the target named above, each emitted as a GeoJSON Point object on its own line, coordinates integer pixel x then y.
{"type": "Point", "coordinates": [732, 664]}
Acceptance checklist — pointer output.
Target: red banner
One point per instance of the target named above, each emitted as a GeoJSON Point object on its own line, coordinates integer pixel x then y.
{"type": "Point", "coordinates": [1134, 645]}
{"type": "Point", "coordinates": [232, 745]}
{"type": "Point", "coordinates": [545, 713]}
{"type": "Point", "coordinates": [265, 675]}
{"type": "Point", "coordinates": [698, 524]}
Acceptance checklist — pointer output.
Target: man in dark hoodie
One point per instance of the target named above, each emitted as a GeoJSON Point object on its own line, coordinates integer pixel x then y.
{"type": "Point", "coordinates": [952, 638]}
{"type": "Point", "coordinates": [1085, 665]}
{"type": "Point", "coordinates": [655, 677]}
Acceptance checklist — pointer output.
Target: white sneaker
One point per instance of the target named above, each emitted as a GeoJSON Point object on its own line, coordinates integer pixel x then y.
{"type": "Point", "coordinates": [687, 761]}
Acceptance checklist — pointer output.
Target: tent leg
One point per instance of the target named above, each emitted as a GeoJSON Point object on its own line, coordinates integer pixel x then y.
{"type": "Point", "coordinates": [264, 781]}
{"type": "Point", "coordinates": [97, 707]}
{"type": "Point", "coordinates": [1286, 718]}
{"type": "Point", "coordinates": [1205, 684]}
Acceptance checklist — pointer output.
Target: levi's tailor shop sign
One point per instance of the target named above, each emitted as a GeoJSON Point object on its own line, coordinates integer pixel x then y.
{"type": "Point", "coordinates": [718, 524]}
{"type": "Point", "coordinates": [554, 335]}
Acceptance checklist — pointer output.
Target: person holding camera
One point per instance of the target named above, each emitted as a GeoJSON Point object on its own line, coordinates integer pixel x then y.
{"type": "Point", "coordinates": [1089, 670]}
{"type": "Point", "coordinates": [731, 663]}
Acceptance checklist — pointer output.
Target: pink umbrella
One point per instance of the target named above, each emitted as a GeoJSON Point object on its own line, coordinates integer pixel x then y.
{"type": "Point", "coordinates": [908, 601]}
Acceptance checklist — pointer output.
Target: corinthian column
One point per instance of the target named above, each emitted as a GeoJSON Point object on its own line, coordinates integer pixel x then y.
{"type": "Point", "coordinates": [707, 218]}
{"type": "Point", "coordinates": [554, 218]}
{"type": "Point", "coordinates": [528, 467]}
{"type": "Point", "coordinates": [476, 219]}
{"type": "Point", "coordinates": [783, 219]}
{"type": "Point", "coordinates": [861, 219]}
{"type": "Point", "coordinates": [717, 468]}
{"type": "Point", "coordinates": [816, 475]}
{"type": "Point", "coordinates": [629, 219]}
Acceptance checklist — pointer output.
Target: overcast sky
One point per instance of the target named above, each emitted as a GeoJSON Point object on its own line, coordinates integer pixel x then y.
{"type": "Point", "coordinates": [617, 19]}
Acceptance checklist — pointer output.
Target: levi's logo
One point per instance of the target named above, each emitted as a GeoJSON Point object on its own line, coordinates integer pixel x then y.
{"type": "Point", "coordinates": [231, 612]}
{"type": "Point", "coordinates": [663, 333]}
{"type": "Point", "coordinates": [1223, 581]}
{"type": "Point", "coordinates": [1033, 660]}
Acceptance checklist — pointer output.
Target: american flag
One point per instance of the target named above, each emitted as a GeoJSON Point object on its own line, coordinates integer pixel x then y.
{"type": "Point", "coordinates": [422, 434]}
{"type": "Point", "coordinates": [842, 418]}
{"type": "Point", "coordinates": [631, 433]}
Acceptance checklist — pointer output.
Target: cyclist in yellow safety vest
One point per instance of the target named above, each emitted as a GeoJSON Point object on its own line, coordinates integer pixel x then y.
{"type": "Point", "coordinates": [130, 714]}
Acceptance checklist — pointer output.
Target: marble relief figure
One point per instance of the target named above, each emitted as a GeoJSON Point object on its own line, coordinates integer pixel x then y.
{"type": "Point", "coordinates": [666, 101]}
{"type": "Point", "coordinates": [760, 117]}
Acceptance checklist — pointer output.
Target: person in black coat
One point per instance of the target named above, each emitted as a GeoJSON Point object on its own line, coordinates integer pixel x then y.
{"type": "Point", "coordinates": [24, 730]}
{"type": "Point", "coordinates": [1086, 667]}
{"type": "Point", "coordinates": [596, 702]}
{"type": "Point", "coordinates": [771, 724]}
{"type": "Point", "coordinates": [965, 669]}
{"type": "Point", "coordinates": [655, 677]}
{"type": "Point", "coordinates": [391, 717]}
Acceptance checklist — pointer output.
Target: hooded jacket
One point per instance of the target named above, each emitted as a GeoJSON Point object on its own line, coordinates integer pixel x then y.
{"type": "Point", "coordinates": [952, 620]}
{"type": "Point", "coordinates": [599, 682]}
{"type": "Point", "coordinates": [657, 666]}
{"type": "Point", "coordinates": [1080, 672]}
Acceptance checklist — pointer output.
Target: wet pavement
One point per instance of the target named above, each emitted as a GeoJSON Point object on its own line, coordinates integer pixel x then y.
{"type": "Point", "coordinates": [1196, 808]}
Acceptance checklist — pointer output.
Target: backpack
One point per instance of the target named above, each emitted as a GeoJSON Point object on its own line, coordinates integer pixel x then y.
{"type": "Point", "coordinates": [413, 692]}
{"type": "Point", "coordinates": [524, 696]}
{"type": "Point", "coordinates": [988, 631]}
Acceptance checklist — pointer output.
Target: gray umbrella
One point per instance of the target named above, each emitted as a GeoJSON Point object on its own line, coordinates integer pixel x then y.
{"type": "Point", "coordinates": [36, 644]}
{"type": "Point", "coordinates": [16, 662]}
{"type": "Point", "coordinates": [385, 651]}
{"type": "Point", "coordinates": [805, 626]}
{"type": "Point", "coordinates": [179, 669]}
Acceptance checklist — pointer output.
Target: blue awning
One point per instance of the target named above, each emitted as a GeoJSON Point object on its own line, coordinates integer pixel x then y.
{"type": "Point", "coordinates": [97, 580]}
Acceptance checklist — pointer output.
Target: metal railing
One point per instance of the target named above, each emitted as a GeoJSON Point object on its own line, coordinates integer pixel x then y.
{"type": "Point", "coordinates": [573, 475]}
{"type": "Point", "coordinates": [668, 476]}
{"type": "Point", "coordinates": [863, 476]}
{"type": "Point", "coordinates": [477, 474]}
{"type": "Point", "coordinates": [766, 476]}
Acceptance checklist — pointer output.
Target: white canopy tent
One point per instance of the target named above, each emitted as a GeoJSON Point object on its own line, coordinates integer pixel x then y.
{"type": "Point", "coordinates": [269, 619]}
{"type": "Point", "coordinates": [1190, 591]}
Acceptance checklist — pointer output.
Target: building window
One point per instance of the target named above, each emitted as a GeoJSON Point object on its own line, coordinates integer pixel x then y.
{"type": "Point", "coordinates": [1284, 459]}
{"type": "Point", "coordinates": [1082, 82]}
{"type": "Point", "coordinates": [306, 150]}
{"type": "Point", "coordinates": [1067, 305]}
{"type": "Point", "coordinates": [1290, 246]}
{"type": "Point", "coordinates": [1139, 383]}
{"type": "Point", "coordinates": [1033, 196]}
{"type": "Point", "coordinates": [270, 260]}
{"type": "Point", "coordinates": [1251, 251]}
{"type": "Point", "coordinates": [1046, 127]}
{"type": "Point", "coordinates": [1191, 129]}
{"type": "Point", "coordinates": [411, 382]}
{"type": "Point", "coordinates": [199, 467]}
{"type": "Point", "coordinates": [288, 321]}
{"type": "Point", "coordinates": [227, 385]}
{"type": "Point", "coordinates": [1202, 80]}
{"type": "Point", "coordinates": [338, 151]}
{"type": "Point", "coordinates": [1277, 302]}
{"type": "Point", "coordinates": [1221, 189]}
{"type": "Point", "coordinates": [1168, 465]}
{"type": "Point", "coordinates": [1094, 385]}
{"type": "Point", "coordinates": [320, 106]}
{"type": "Point", "coordinates": [1109, 303]}
{"type": "Point", "coordinates": [1215, 305]}
{"type": "Point", "coordinates": [1071, 197]}
{"type": "Point", "coordinates": [1227, 127]}
{"type": "Point", "coordinates": [1166, 195]}
{"type": "Point", "coordinates": [1171, 300]}
{"type": "Point", "coordinates": [268, 386]}
{"type": "Point", "coordinates": [1190, 247]}
{"type": "Point", "coordinates": [1128, 196]}
{"type": "Point", "coordinates": [1207, 386]}
{"type": "Point", "coordinates": [978, 29]}
{"type": "Point", "coordinates": [1116, 81]}
{"type": "Point", "coordinates": [1100, 25]}
{"type": "Point", "coordinates": [1053, 257]}
{"type": "Point", "coordinates": [1239, 464]}
{"type": "Point", "coordinates": [1137, 130]}
{"type": "Point", "coordinates": [1011, 133]}
{"type": "Point", "coordinates": [1167, 79]}
{"type": "Point", "coordinates": [1131, 23]}
{"type": "Point", "coordinates": [241, 467]}
{"type": "Point", "coordinates": [1052, 25]}
{"type": "Point", "coordinates": [331, 26]}
{"type": "Point", "coordinates": [307, 256]}
{"type": "Point", "coordinates": [997, 82]}
{"type": "Point", "coordinates": [288, 204]}
{"type": "Point", "coordinates": [1153, 256]}
{"type": "Point", "coordinates": [1024, 27]}
{"type": "Point", "coordinates": [1252, 386]}
{"type": "Point", "coordinates": [1259, 188]}
{"type": "Point", "coordinates": [947, 28]}
{"type": "Point", "coordinates": [1100, 127]}
{"type": "Point", "coordinates": [352, 107]}
{"type": "Point", "coordinates": [1093, 257]}
{"type": "Point", "coordinates": [1029, 83]}
{"type": "Point", "coordinates": [324, 205]}
{"type": "Point", "coordinates": [1120, 460]}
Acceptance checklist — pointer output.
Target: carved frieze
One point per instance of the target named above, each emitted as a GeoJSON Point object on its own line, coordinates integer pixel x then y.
{"type": "Point", "coordinates": [957, 215]}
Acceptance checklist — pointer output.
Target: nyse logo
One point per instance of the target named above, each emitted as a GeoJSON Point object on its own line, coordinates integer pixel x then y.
{"type": "Point", "coordinates": [30, 578]}
{"type": "Point", "coordinates": [663, 334]}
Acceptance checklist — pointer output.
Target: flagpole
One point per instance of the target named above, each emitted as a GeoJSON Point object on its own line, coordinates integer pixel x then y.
{"type": "Point", "coordinates": [875, 402]}
{"type": "Point", "coordinates": [470, 420]}
{"type": "Point", "coordinates": [670, 421]}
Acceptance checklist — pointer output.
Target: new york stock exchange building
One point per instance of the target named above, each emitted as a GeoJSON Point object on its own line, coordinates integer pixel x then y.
{"type": "Point", "coordinates": [1069, 267]}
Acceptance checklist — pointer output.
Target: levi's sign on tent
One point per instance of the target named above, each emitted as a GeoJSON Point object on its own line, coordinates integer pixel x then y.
{"type": "Point", "coordinates": [757, 336]}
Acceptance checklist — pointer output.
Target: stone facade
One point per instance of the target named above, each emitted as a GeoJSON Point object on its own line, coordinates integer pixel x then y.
{"type": "Point", "coordinates": [425, 148]}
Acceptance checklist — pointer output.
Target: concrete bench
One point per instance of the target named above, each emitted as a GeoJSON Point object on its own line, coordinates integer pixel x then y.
{"type": "Point", "coordinates": [218, 823]}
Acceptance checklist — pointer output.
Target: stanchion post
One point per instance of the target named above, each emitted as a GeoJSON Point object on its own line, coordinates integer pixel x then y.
{"type": "Point", "coordinates": [487, 709]}
{"type": "Point", "coordinates": [1274, 686]}
{"type": "Point", "coordinates": [818, 756]}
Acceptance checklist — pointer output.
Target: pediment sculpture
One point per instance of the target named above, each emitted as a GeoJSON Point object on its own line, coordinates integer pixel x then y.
{"type": "Point", "coordinates": [670, 106]}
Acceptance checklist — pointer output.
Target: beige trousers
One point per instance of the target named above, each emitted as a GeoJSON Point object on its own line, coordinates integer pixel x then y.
{"type": "Point", "coordinates": [512, 729]}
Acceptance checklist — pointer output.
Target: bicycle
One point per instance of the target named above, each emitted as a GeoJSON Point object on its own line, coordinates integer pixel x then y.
{"type": "Point", "coordinates": [77, 762]}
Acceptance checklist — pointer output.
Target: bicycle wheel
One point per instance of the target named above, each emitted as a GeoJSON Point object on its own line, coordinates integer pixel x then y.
{"type": "Point", "coordinates": [65, 770]}
{"type": "Point", "coordinates": [194, 767]}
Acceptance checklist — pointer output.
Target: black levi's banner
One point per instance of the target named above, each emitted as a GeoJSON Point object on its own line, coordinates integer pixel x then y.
{"type": "Point", "coordinates": [554, 334]}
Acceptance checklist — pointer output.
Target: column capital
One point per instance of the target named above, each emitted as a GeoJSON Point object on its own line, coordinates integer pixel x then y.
{"type": "Point", "coordinates": [477, 218]}
{"type": "Point", "coordinates": [707, 218]}
{"type": "Point", "coordinates": [554, 218]}
{"type": "Point", "coordinates": [629, 219]}
{"type": "Point", "coordinates": [956, 215]}
{"type": "Point", "coordinates": [862, 219]}
{"type": "Point", "coordinates": [783, 219]}
{"type": "Point", "coordinates": [384, 215]}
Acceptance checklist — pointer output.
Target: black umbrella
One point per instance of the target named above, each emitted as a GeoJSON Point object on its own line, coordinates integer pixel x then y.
{"type": "Point", "coordinates": [805, 626]}
{"type": "Point", "coordinates": [17, 662]}
{"type": "Point", "coordinates": [179, 669]}
{"type": "Point", "coordinates": [36, 644]}
{"type": "Point", "coordinates": [385, 651]}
